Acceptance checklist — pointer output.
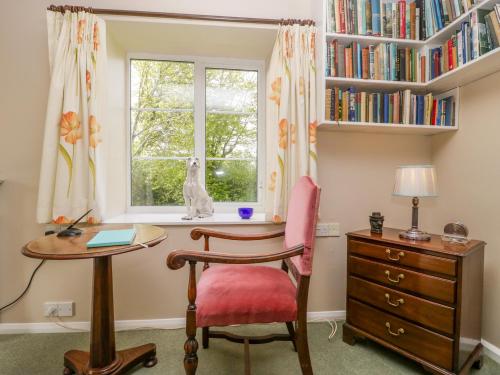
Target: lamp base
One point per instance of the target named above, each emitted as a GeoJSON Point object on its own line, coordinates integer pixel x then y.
{"type": "Point", "coordinates": [415, 235]}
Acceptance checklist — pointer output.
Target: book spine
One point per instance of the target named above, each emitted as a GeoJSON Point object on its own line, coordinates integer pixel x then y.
{"type": "Point", "coordinates": [371, 52]}
{"type": "Point", "coordinates": [376, 29]}
{"type": "Point", "coordinates": [394, 17]}
{"type": "Point", "coordinates": [408, 21]}
{"type": "Point", "coordinates": [402, 19]}
{"type": "Point", "coordinates": [342, 27]}
{"type": "Point", "coordinates": [368, 21]}
{"type": "Point", "coordinates": [413, 20]}
{"type": "Point", "coordinates": [383, 18]}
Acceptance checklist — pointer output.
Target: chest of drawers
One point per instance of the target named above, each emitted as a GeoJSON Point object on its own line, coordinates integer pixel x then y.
{"type": "Point", "coordinates": [421, 299]}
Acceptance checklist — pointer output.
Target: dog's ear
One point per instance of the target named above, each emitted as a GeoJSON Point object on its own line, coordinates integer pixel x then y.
{"type": "Point", "coordinates": [188, 162]}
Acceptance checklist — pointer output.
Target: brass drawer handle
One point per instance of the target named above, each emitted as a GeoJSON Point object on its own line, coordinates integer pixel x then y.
{"type": "Point", "coordinates": [398, 302]}
{"type": "Point", "coordinates": [400, 331]}
{"type": "Point", "coordinates": [396, 258]}
{"type": "Point", "coordinates": [395, 281]}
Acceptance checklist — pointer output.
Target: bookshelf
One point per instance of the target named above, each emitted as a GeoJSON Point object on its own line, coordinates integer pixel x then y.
{"type": "Point", "coordinates": [445, 84]}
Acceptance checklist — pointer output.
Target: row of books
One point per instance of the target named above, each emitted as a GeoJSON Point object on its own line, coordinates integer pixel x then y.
{"type": "Point", "coordinates": [404, 19]}
{"type": "Point", "coordinates": [390, 18]}
{"type": "Point", "coordinates": [384, 61]}
{"type": "Point", "coordinates": [401, 107]}
{"type": "Point", "coordinates": [437, 14]}
{"type": "Point", "coordinates": [475, 38]}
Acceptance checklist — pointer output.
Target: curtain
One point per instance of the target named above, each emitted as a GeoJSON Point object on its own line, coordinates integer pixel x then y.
{"type": "Point", "coordinates": [291, 119]}
{"type": "Point", "coordinates": [71, 176]}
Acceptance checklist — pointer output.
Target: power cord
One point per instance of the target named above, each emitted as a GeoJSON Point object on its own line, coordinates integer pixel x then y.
{"type": "Point", "coordinates": [333, 325]}
{"type": "Point", "coordinates": [25, 290]}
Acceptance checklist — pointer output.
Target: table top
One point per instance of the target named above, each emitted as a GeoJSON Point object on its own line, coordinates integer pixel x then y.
{"type": "Point", "coordinates": [53, 247]}
{"type": "Point", "coordinates": [436, 244]}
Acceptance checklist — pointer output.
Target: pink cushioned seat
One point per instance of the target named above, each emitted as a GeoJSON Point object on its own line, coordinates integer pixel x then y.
{"type": "Point", "coordinates": [244, 294]}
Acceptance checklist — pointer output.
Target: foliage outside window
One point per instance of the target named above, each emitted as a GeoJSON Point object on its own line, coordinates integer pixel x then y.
{"type": "Point", "coordinates": [166, 100]}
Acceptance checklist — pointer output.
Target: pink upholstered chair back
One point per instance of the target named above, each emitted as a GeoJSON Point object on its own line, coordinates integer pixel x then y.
{"type": "Point", "coordinates": [301, 222]}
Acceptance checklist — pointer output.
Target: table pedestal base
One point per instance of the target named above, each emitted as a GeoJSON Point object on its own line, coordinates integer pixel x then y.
{"type": "Point", "coordinates": [77, 361]}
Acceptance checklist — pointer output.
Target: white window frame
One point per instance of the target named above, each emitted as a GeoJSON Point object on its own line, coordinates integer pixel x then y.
{"type": "Point", "coordinates": [200, 64]}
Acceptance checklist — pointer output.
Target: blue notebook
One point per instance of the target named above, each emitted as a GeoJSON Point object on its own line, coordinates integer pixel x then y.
{"type": "Point", "coordinates": [112, 238]}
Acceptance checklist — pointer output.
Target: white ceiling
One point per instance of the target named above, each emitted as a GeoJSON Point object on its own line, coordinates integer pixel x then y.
{"type": "Point", "coordinates": [189, 38]}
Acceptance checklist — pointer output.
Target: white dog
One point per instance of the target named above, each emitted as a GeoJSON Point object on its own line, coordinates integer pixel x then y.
{"type": "Point", "coordinates": [198, 203]}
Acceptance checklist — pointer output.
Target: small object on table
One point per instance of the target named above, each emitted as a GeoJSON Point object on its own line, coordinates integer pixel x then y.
{"type": "Point", "coordinates": [118, 237]}
{"type": "Point", "coordinates": [455, 232]}
{"type": "Point", "coordinates": [376, 222]}
{"type": "Point", "coordinates": [103, 357]}
{"type": "Point", "coordinates": [71, 231]}
{"type": "Point", "coordinates": [245, 212]}
{"type": "Point", "coordinates": [415, 181]}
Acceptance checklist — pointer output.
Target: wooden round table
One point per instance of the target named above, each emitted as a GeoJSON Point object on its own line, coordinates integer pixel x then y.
{"type": "Point", "coordinates": [103, 357]}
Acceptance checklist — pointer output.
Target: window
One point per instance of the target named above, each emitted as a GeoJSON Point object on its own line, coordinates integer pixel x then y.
{"type": "Point", "coordinates": [180, 109]}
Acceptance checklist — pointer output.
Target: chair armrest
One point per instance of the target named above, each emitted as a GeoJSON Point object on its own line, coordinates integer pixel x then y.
{"type": "Point", "coordinates": [178, 258]}
{"type": "Point", "coordinates": [197, 233]}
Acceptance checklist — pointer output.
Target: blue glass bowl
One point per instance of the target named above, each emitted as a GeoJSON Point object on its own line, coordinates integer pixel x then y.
{"type": "Point", "coordinates": [245, 212]}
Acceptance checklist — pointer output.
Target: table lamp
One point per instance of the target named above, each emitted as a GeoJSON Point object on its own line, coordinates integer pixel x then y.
{"type": "Point", "coordinates": [415, 181]}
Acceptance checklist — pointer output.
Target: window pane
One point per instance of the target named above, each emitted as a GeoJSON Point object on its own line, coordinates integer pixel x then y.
{"type": "Point", "coordinates": [162, 126]}
{"type": "Point", "coordinates": [163, 133]}
{"type": "Point", "coordinates": [231, 134]}
{"type": "Point", "coordinates": [232, 180]}
{"type": "Point", "coordinates": [157, 182]}
{"type": "Point", "coordinates": [161, 84]}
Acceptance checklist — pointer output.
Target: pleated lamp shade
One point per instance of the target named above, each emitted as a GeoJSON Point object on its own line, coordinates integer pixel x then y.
{"type": "Point", "coordinates": [415, 181]}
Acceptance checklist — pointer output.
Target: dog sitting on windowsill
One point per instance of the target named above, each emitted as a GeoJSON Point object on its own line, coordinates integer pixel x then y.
{"type": "Point", "coordinates": [198, 202]}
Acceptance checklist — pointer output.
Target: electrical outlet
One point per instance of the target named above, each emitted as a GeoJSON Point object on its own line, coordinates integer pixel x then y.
{"type": "Point", "coordinates": [328, 230]}
{"type": "Point", "coordinates": [58, 308]}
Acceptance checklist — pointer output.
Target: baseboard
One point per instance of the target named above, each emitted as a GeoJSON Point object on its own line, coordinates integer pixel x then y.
{"type": "Point", "coordinates": [65, 326]}
{"type": "Point", "coordinates": [313, 316]}
{"type": "Point", "coordinates": [491, 350]}
{"type": "Point", "coordinates": [124, 325]}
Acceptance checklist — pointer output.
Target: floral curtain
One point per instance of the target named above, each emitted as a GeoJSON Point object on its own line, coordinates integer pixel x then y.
{"type": "Point", "coordinates": [71, 177]}
{"type": "Point", "coordinates": [291, 114]}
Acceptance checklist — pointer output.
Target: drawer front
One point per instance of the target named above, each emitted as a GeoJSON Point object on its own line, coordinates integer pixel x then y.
{"type": "Point", "coordinates": [419, 341]}
{"type": "Point", "coordinates": [427, 285]}
{"type": "Point", "coordinates": [405, 257]}
{"type": "Point", "coordinates": [430, 314]}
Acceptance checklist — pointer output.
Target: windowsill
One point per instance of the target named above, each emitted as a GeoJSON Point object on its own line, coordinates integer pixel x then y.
{"type": "Point", "coordinates": [176, 219]}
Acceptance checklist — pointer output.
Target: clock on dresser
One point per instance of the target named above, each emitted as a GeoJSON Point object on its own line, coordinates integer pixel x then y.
{"type": "Point", "coordinates": [420, 299]}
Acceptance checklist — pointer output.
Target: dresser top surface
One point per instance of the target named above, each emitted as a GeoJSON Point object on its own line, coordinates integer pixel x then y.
{"type": "Point", "coordinates": [436, 244]}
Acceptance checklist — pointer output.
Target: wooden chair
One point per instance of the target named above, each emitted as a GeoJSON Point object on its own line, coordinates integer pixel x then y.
{"type": "Point", "coordinates": [239, 293]}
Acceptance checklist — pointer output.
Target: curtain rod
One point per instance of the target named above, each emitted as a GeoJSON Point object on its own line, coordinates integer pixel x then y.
{"type": "Point", "coordinates": [198, 17]}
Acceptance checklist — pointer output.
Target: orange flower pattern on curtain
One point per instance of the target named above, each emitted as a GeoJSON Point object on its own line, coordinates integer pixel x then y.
{"type": "Point", "coordinates": [291, 115]}
{"type": "Point", "coordinates": [69, 181]}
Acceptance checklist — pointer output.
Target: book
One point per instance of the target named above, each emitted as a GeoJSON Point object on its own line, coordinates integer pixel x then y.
{"type": "Point", "coordinates": [112, 238]}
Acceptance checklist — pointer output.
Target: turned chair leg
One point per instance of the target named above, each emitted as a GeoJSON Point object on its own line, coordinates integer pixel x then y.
{"type": "Point", "coordinates": [205, 338]}
{"type": "Point", "coordinates": [303, 347]}
{"type": "Point", "coordinates": [191, 345]}
{"type": "Point", "coordinates": [291, 332]}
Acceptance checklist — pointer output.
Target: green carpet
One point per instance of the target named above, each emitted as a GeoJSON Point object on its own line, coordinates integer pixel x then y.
{"type": "Point", "coordinates": [43, 354]}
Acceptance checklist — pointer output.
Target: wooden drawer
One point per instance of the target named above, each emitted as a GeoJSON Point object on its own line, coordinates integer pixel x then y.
{"type": "Point", "coordinates": [431, 286]}
{"type": "Point", "coordinates": [405, 257]}
{"type": "Point", "coordinates": [419, 341]}
{"type": "Point", "coordinates": [430, 314]}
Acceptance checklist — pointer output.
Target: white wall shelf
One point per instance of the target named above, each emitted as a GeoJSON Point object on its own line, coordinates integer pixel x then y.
{"type": "Point", "coordinates": [375, 127]}
{"type": "Point", "coordinates": [373, 84]}
{"type": "Point", "coordinates": [370, 39]}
